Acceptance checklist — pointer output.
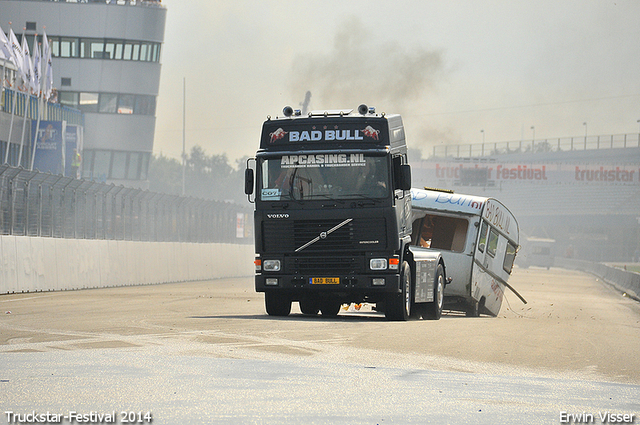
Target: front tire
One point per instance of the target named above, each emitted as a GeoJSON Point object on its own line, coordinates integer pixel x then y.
{"type": "Point", "coordinates": [276, 304]}
{"type": "Point", "coordinates": [398, 306]}
{"type": "Point", "coordinates": [434, 309]}
{"type": "Point", "coordinates": [309, 307]}
{"type": "Point", "coordinates": [330, 308]}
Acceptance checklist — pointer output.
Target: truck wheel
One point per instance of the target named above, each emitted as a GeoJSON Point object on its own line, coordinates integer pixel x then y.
{"type": "Point", "coordinates": [309, 307]}
{"type": "Point", "coordinates": [330, 308]}
{"type": "Point", "coordinates": [434, 309]}
{"type": "Point", "coordinates": [398, 306]}
{"type": "Point", "coordinates": [276, 304]}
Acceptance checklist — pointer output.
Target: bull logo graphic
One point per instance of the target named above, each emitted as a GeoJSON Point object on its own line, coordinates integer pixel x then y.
{"type": "Point", "coordinates": [277, 135]}
{"type": "Point", "coordinates": [371, 132]}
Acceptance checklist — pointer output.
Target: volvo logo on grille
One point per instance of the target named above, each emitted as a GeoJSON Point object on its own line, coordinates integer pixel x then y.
{"type": "Point", "coordinates": [323, 235]}
{"type": "Point", "coordinates": [277, 215]}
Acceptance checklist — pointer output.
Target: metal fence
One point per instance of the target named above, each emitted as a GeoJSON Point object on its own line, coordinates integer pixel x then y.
{"type": "Point", "coordinates": [610, 141]}
{"type": "Point", "coordinates": [47, 205]}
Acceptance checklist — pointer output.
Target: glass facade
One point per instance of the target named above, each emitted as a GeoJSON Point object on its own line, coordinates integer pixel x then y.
{"type": "Point", "coordinates": [109, 103]}
{"type": "Point", "coordinates": [103, 48]}
{"type": "Point", "coordinates": [102, 165]}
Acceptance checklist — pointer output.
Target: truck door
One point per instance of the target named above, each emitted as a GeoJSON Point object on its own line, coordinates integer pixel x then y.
{"type": "Point", "coordinates": [402, 198]}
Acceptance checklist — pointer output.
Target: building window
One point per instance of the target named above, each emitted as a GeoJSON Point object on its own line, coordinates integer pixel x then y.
{"type": "Point", "coordinates": [68, 98]}
{"type": "Point", "coordinates": [88, 102]}
{"type": "Point", "coordinates": [98, 48]}
{"type": "Point", "coordinates": [101, 165]}
{"type": "Point", "coordinates": [133, 168]}
{"type": "Point", "coordinates": [31, 26]}
{"type": "Point", "coordinates": [107, 103]}
{"type": "Point", "coordinates": [135, 55]}
{"type": "Point", "coordinates": [126, 103]}
{"type": "Point", "coordinates": [68, 47]}
{"type": "Point", "coordinates": [144, 168]}
{"type": "Point", "coordinates": [145, 105]}
{"type": "Point", "coordinates": [64, 81]}
{"type": "Point", "coordinates": [119, 165]}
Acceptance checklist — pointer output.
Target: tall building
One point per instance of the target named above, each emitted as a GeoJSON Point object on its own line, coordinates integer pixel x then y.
{"type": "Point", "coordinates": [106, 61]}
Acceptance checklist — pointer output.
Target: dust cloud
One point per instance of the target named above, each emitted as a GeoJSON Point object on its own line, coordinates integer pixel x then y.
{"type": "Point", "coordinates": [361, 68]}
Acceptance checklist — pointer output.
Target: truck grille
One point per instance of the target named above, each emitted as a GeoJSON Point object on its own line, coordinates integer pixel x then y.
{"type": "Point", "coordinates": [324, 266]}
{"type": "Point", "coordinates": [284, 236]}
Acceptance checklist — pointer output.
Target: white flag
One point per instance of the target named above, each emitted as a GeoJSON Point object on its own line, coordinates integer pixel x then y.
{"type": "Point", "coordinates": [5, 47]}
{"type": "Point", "coordinates": [47, 69]}
{"type": "Point", "coordinates": [27, 63]}
{"type": "Point", "coordinates": [16, 52]}
{"type": "Point", "coordinates": [37, 66]}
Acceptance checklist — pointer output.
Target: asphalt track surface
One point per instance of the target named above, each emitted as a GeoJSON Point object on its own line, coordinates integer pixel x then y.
{"type": "Point", "coordinates": [206, 352]}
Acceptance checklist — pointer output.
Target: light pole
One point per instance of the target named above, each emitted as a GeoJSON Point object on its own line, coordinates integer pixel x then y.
{"type": "Point", "coordinates": [585, 135]}
{"type": "Point", "coordinates": [533, 137]}
{"type": "Point", "coordinates": [482, 151]}
{"type": "Point", "coordinates": [184, 113]}
{"type": "Point", "coordinates": [638, 132]}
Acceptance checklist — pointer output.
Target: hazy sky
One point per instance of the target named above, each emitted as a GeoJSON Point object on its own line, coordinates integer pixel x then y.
{"type": "Point", "coordinates": [451, 68]}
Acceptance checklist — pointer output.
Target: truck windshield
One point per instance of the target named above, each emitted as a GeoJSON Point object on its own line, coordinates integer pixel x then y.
{"type": "Point", "coordinates": [324, 176]}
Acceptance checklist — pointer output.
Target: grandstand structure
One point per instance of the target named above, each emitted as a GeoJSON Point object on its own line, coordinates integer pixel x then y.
{"type": "Point", "coordinates": [582, 192]}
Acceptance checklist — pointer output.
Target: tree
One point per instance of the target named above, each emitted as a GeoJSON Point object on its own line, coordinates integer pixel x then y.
{"type": "Point", "coordinates": [208, 177]}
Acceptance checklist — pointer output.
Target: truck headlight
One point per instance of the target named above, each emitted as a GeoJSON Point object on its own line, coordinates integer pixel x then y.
{"type": "Point", "coordinates": [271, 265]}
{"type": "Point", "coordinates": [378, 264]}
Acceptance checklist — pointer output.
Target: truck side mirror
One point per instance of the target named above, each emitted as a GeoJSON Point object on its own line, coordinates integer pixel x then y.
{"type": "Point", "coordinates": [405, 177]}
{"type": "Point", "coordinates": [248, 181]}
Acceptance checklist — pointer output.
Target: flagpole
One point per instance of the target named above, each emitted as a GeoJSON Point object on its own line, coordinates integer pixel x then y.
{"type": "Point", "coordinates": [13, 113]}
{"type": "Point", "coordinates": [15, 93]}
{"type": "Point", "coordinates": [27, 104]}
{"type": "Point", "coordinates": [184, 108]}
{"type": "Point", "coordinates": [38, 73]}
{"type": "Point", "coordinates": [27, 98]}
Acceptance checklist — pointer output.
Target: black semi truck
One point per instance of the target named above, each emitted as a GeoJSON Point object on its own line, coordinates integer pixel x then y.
{"type": "Point", "coordinates": [332, 193]}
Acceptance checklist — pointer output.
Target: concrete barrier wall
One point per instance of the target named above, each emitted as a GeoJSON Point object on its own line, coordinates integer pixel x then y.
{"type": "Point", "coordinates": [622, 280]}
{"type": "Point", "coordinates": [29, 264]}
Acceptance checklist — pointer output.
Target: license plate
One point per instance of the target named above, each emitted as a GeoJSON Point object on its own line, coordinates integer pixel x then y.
{"type": "Point", "coordinates": [324, 280]}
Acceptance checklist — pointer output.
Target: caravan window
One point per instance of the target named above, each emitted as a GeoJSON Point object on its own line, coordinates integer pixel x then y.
{"type": "Point", "coordinates": [482, 242]}
{"type": "Point", "coordinates": [493, 243]}
{"type": "Point", "coordinates": [440, 232]}
{"type": "Point", "coordinates": [509, 257]}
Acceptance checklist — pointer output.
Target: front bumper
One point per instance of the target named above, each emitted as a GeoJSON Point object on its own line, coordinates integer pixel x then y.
{"type": "Point", "coordinates": [353, 284]}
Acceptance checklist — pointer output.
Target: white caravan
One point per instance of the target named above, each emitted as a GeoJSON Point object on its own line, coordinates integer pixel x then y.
{"type": "Point", "coordinates": [478, 240]}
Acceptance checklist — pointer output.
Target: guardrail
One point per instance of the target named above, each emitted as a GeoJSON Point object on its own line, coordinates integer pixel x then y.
{"type": "Point", "coordinates": [47, 205]}
{"type": "Point", "coordinates": [50, 111]}
{"type": "Point", "coordinates": [539, 146]}
{"type": "Point", "coordinates": [624, 281]}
